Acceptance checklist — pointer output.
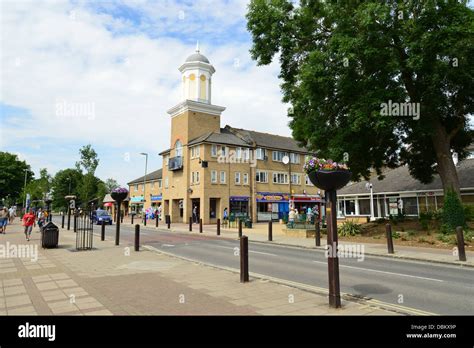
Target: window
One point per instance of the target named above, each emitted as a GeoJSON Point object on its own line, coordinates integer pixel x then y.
{"type": "Point", "coordinates": [195, 153]}
{"type": "Point", "coordinates": [280, 178]}
{"type": "Point", "coordinates": [294, 158]}
{"type": "Point", "coordinates": [296, 179]}
{"type": "Point", "coordinates": [246, 178]}
{"type": "Point", "coordinates": [277, 156]}
{"type": "Point", "coordinates": [260, 153]}
{"type": "Point", "coordinates": [195, 177]}
{"type": "Point", "coordinates": [364, 206]}
{"type": "Point", "coordinates": [237, 178]}
{"type": "Point", "coordinates": [238, 152]}
{"type": "Point", "coordinates": [159, 183]}
{"type": "Point", "coordinates": [308, 182]}
{"type": "Point", "coordinates": [214, 150]}
{"type": "Point", "coordinates": [214, 176]}
{"type": "Point", "coordinates": [166, 183]}
{"type": "Point", "coordinates": [136, 187]}
{"type": "Point", "coordinates": [246, 154]}
{"type": "Point", "coordinates": [223, 151]}
{"type": "Point", "coordinates": [261, 176]}
{"type": "Point", "coordinates": [222, 177]}
{"type": "Point", "coordinates": [178, 149]}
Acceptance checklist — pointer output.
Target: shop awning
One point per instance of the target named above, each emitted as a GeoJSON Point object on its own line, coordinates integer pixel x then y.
{"type": "Point", "coordinates": [108, 204]}
{"type": "Point", "coordinates": [272, 197]}
{"type": "Point", "coordinates": [156, 198]}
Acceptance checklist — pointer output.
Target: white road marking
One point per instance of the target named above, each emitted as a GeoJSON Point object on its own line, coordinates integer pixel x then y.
{"type": "Point", "coordinates": [250, 251]}
{"type": "Point", "coordinates": [376, 270]}
{"type": "Point", "coordinates": [167, 245]}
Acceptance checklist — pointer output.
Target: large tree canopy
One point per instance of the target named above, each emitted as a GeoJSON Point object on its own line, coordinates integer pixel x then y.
{"type": "Point", "coordinates": [341, 61]}
{"type": "Point", "coordinates": [12, 177]}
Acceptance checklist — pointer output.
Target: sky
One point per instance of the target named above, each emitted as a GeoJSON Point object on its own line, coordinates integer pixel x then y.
{"type": "Point", "coordinates": [105, 73]}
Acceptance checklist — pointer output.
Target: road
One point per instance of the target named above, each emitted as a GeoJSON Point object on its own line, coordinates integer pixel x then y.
{"type": "Point", "coordinates": [431, 287]}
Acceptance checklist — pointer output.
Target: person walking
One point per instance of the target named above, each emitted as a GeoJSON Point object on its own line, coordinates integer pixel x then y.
{"type": "Point", "coordinates": [28, 223]}
{"type": "Point", "coordinates": [195, 217]}
{"type": "Point", "coordinates": [226, 216]}
{"type": "Point", "coordinates": [4, 217]}
{"type": "Point", "coordinates": [40, 218]}
{"type": "Point", "coordinates": [291, 218]}
{"type": "Point", "coordinates": [12, 213]}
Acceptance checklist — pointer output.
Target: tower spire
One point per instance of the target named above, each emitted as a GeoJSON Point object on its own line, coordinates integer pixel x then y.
{"type": "Point", "coordinates": [197, 46]}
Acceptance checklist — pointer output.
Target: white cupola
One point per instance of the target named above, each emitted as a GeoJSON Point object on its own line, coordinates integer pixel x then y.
{"type": "Point", "coordinates": [197, 77]}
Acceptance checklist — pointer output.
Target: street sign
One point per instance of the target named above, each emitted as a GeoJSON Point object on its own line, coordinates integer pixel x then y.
{"type": "Point", "coordinates": [72, 204]}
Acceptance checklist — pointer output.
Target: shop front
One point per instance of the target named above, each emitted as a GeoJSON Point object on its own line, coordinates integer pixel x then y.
{"type": "Point", "coordinates": [304, 202]}
{"type": "Point", "coordinates": [272, 205]}
{"type": "Point", "coordinates": [155, 201]}
{"type": "Point", "coordinates": [136, 205]}
{"type": "Point", "coordinates": [239, 205]}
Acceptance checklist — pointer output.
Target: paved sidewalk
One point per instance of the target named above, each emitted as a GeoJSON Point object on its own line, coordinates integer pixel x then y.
{"type": "Point", "coordinates": [115, 280]}
{"type": "Point", "coordinates": [259, 233]}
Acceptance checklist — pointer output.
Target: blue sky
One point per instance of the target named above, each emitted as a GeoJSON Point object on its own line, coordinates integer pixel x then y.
{"type": "Point", "coordinates": [118, 61]}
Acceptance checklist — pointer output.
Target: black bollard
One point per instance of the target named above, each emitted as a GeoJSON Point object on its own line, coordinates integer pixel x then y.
{"type": "Point", "coordinates": [62, 221]}
{"type": "Point", "coordinates": [144, 220]}
{"type": "Point", "coordinates": [218, 227]}
{"type": "Point", "coordinates": [137, 237]}
{"type": "Point", "coordinates": [270, 231]}
{"type": "Point", "coordinates": [132, 218]}
{"type": "Point", "coordinates": [460, 239]}
{"type": "Point", "coordinates": [200, 225]}
{"type": "Point", "coordinates": [68, 219]}
{"type": "Point", "coordinates": [168, 221]}
{"type": "Point", "coordinates": [190, 224]}
{"type": "Point", "coordinates": [102, 231]}
{"type": "Point", "coordinates": [156, 222]}
{"type": "Point", "coordinates": [388, 232]}
{"type": "Point", "coordinates": [240, 228]}
{"type": "Point", "coordinates": [75, 223]}
{"type": "Point", "coordinates": [121, 218]}
{"type": "Point", "coordinates": [117, 226]}
{"type": "Point", "coordinates": [317, 233]}
{"type": "Point", "coordinates": [244, 259]}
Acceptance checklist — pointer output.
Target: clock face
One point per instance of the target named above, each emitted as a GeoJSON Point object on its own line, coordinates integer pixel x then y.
{"type": "Point", "coordinates": [285, 159]}
{"type": "Point", "coordinates": [203, 78]}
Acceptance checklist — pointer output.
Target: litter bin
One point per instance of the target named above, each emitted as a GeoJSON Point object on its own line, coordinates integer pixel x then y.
{"type": "Point", "coordinates": [248, 223]}
{"type": "Point", "coordinates": [49, 235]}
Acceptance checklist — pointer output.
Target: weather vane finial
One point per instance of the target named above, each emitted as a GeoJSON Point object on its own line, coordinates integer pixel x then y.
{"type": "Point", "coordinates": [197, 46]}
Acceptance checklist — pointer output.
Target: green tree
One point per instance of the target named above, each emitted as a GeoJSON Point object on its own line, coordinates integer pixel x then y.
{"type": "Point", "coordinates": [110, 185]}
{"type": "Point", "coordinates": [39, 188]}
{"type": "Point", "coordinates": [65, 182]}
{"type": "Point", "coordinates": [453, 212]}
{"type": "Point", "coordinates": [89, 162]}
{"type": "Point", "coordinates": [12, 177]}
{"type": "Point", "coordinates": [343, 61]}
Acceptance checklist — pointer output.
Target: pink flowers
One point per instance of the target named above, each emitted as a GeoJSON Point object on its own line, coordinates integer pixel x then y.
{"type": "Point", "coordinates": [315, 164]}
{"type": "Point", "coordinates": [120, 190]}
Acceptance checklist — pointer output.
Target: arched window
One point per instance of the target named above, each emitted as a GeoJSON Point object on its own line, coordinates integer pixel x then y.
{"type": "Point", "coordinates": [178, 149]}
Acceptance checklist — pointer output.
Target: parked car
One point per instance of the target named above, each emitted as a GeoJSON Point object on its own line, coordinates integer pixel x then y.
{"type": "Point", "coordinates": [100, 217]}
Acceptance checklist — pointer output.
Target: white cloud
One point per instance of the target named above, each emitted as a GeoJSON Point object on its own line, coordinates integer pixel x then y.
{"type": "Point", "coordinates": [50, 55]}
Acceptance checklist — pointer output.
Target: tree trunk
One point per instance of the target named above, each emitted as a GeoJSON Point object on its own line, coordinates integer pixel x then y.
{"type": "Point", "coordinates": [446, 168]}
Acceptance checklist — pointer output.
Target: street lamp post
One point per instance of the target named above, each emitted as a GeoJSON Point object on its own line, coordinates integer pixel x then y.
{"type": "Point", "coordinates": [24, 187]}
{"type": "Point", "coordinates": [369, 187]}
{"type": "Point", "coordinates": [144, 186]}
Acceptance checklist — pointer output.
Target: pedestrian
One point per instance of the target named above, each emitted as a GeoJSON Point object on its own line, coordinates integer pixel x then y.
{"type": "Point", "coordinates": [291, 218]}
{"type": "Point", "coordinates": [12, 213]}
{"type": "Point", "coordinates": [40, 217]}
{"type": "Point", "coordinates": [28, 223]}
{"type": "Point", "coordinates": [4, 217]}
{"type": "Point", "coordinates": [195, 218]}
{"type": "Point", "coordinates": [226, 215]}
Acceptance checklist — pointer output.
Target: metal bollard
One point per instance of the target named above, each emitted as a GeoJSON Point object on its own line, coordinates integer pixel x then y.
{"type": "Point", "coordinates": [240, 228]}
{"type": "Point", "coordinates": [168, 221]}
{"type": "Point", "coordinates": [156, 221]}
{"type": "Point", "coordinates": [132, 218]}
{"type": "Point", "coordinates": [218, 227]}
{"type": "Point", "coordinates": [270, 231]}
{"type": "Point", "coordinates": [62, 221]}
{"type": "Point", "coordinates": [200, 225]}
{"type": "Point", "coordinates": [137, 237]}
{"type": "Point", "coordinates": [388, 232]}
{"type": "Point", "coordinates": [244, 259]}
{"type": "Point", "coordinates": [190, 224]}
{"type": "Point", "coordinates": [75, 223]}
{"type": "Point", "coordinates": [69, 220]}
{"type": "Point", "coordinates": [317, 232]}
{"type": "Point", "coordinates": [102, 231]}
{"type": "Point", "coordinates": [144, 220]}
{"type": "Point", "coordinates": [460, 239]}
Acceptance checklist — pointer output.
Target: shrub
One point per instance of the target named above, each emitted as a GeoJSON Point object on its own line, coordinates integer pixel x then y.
{"type": "Point", "coordinates": [395, 235]}
{"type": "Point", "coordinates": [453, 212]}
{"type": "Point", "coordinates": [449, 239]}
{"type": "Point", "coordinates": [425, 218]}
{"type": "Point", "coordinates": [411, 233]}
{"type": "Point", "coordinates": [469, 212]}
{"type": "Point", "coordinates": [349, 228]}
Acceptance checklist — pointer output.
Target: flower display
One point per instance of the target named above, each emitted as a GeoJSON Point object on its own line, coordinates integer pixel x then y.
{"type": "Point", "coordinates": [120, 190]}
{"type": "Point", "coordinates": [314, 164]}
